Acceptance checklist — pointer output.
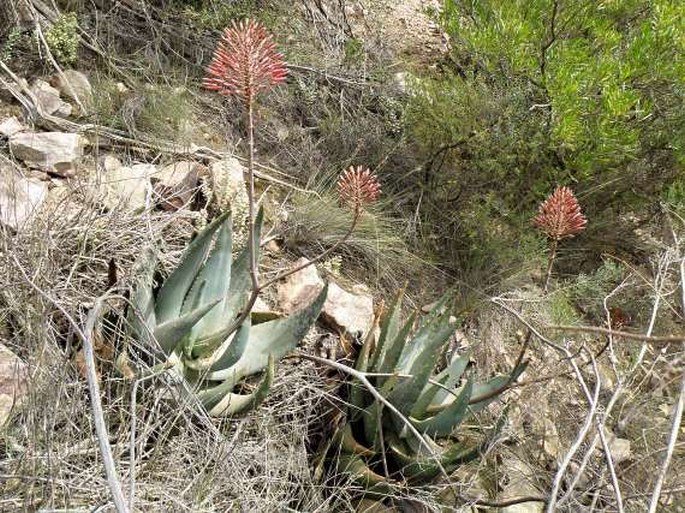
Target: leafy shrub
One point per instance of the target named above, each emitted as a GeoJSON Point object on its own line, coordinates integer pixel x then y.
{"type": "Point", "coordinates": [63, 38]}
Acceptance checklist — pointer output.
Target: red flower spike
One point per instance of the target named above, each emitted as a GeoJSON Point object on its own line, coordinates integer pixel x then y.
{"type": "Point", "coordinates": [357, 187]}
{"type": "Point", "coordinates": [245, 62]}
{"type": "Point", "coordinates": [559, 215]}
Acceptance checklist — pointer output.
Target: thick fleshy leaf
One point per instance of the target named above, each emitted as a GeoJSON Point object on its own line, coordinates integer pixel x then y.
{"type": "Point", "coordinates": [394, 347]}
{"type": "Point", "coordinates": [238, 293]}
{"type": "Point", "coordinates": [357, 469]}
{"type": "Point", "coordinates": [434, 394]}
{"type": "Point", "coordinates": [437, 318]}
{"type": "Point", "coordinates": [216, 275]}
{"type": "Point", "coordinates": [448, 419]}
{"type": "Point", "coordinates": [372, 420]}
{"type": "Point", "coordinates": [141, 315]}
{"type": "Point", "coordinates": [170, 333]}
{"type": "Point", "coordinates": [241, 283]}
{"type": "Point", "coordinates": [174, 290]}
{"type": "Point", "coordinates": [357, 390]}
{"type": "Point", "coordinates": [425, 347]}
{"type": "Point", "coordinates": [278, 337]}
{"type": "Point", "coordinates": [486, 390]}
{"type": "Point", "coordinates": [220, 401]}
{"type": "Point", "coordinates": [350, 445]}
{"type": "Point", "coordinates": [390, 327]}
{"type": "Point", "coordinates": [224, 366]}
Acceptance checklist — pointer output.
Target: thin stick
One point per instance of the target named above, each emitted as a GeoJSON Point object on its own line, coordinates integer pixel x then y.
{"type": "Point", "coordinates": [86, 337]}
{"type": "Point", "coordinates": [594, 401]}
{"type": "Point", "coordinates": [677, 418]}
{"type": "Point", "coordinates": [625, 334]}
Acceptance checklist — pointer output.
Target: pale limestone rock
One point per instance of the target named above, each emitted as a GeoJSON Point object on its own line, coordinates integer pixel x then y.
{"type": "Point", "coordinates": [127, 187]}
{"type": "Point", "coordinates": [11, 126]}
{"type": "Point", "coordinates": [351, 312]}
{"type": "Point", "coordinates": [520, 478]}
{"type": "Point", "coordinates": [176, 184]}
{"type": "Point", "coordinates": [299, 289]}
{"type": "Point", "coordinates": [20, 198]}
{"type": "Point", "coordinates": [13, 382]}
{"type": "Point", "coordinates": [619, 448]}
{"type": "Point", "coordinates": [49, 99]}
{"type": "Point", "coordinates": [224, 188]}
{"type": "Point", "coordinates": [74, 85]}
{"type": "Point", "coordinates": [53, 152]}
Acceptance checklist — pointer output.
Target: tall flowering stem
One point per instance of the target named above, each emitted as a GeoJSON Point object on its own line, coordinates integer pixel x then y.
{"type": "Point", "coordinates": [357, 188]}
{"type": "Point", "coordinates": [246, 63]}
{"type": "Point", "coordinates": [559, 217]}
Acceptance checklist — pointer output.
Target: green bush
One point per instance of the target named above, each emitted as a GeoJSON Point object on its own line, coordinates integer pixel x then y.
{"type": "Point", "coordinates": [63, 38]}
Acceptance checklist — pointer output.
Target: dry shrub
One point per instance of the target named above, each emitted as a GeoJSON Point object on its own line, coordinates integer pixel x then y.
{"type": "Point", "coordinates": [184, 461]}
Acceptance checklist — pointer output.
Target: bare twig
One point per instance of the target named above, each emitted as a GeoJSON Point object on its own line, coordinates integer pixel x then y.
{"type": "Point", "coordinates": [677, 418]}
{"type": "Point", "coordinates": [86, 336]}
{"type": "Point", "coordinates": [625, 334]}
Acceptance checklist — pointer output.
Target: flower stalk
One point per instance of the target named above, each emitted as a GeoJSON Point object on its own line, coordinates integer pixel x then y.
{"type": "Point", "coordinates": [246, 63]}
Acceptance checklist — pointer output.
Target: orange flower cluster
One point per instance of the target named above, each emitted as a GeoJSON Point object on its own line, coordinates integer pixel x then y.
{"type": "Point", "coordinates": [245, 62]}
{"type": "Point", "coordinates": [560, 216]}
{"type": "Point", "coordinates": [357, 187]}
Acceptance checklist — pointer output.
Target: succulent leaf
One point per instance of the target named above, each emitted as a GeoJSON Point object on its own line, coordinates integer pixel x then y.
{"type": "Point", "coordinates": [487, 390]}
{"type": "Point", "coordinates": [423, 351]}
{"type": "Point", "coordinates": [390, 327]}
{"type": "Point", "coordinates": [235, 348]}
{"type": "Point", "coordinates": [278, 337]}
{"type": "Point", "coordinates": [216, 277]}
{"type": "Point", "coordinates": [388, 364]}
{"type": "Point", "coordinates": [434, 394]}
{"type": "Point", "coordinates": [430, 408]}
{"type": "Point", "coordinates": [220, 401]}
{"type": "Point", "coordinates": [174, 290]}
{"type": "Point", "coordinates": [448, 419]}
{"type": "Point", "coordinates": [170, 333]}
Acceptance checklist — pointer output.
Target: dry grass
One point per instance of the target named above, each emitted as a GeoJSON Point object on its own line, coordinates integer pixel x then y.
{"type": "Point", "coordinates": [184, 460]}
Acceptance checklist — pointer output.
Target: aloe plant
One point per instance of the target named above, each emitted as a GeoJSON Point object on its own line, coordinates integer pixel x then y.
{"type": "Point", "coordinates": [377, 447]}
{"type": "Point", "coordinates": [191, 320]}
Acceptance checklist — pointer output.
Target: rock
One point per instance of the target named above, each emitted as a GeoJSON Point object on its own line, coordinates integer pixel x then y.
{"type": "Point", "coordinates": [224, 188]}
{"type": "Point", "coordinates": [619, 448]}
{"type": "Point", "coordinates": [299, 289]}
{"type": "Point", "coordinates": [53, 152]}
{"type": "Point", "coordinates": [49, 100]}
{"type": "Point", "coordinates": [20, 198]}
{"type": "Point", "coordinates": [110, 163]}
{"type": "Point", "coordinates": [11, 126]}
{"type": "Point", "coordinates": [520, 478]}
{"type": "Point", "coordinates": [74, 85]}
{"type": "Point", "coordinates": [176, 184]}
{"type": "Point", "coordinates": [127, 187]}
{"type": "Point", "coordinates": [351, 312]}
{"type": "Point", "coordinates": [13, 382]}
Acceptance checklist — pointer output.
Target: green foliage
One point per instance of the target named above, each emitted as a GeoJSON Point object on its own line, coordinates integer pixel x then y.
{"type": "Point", "coordinates": [154, 110]}
{"type": "Point", "coordinates": [588, 291]}
{"type": "Point", "coordinates": [63, 38]}
{"type": "Point", "coordinates": [191, 321]}
{"type": "Point", "coordinates": [376, 446]}
{"type": "Point", "coordinates": [217, 14]}
{"type": "Point", "coordinates": [537, 94]}
{"type": "Point", "coordinates": [354, 50]}
{"type": "Point", "coordinates": [605, 73]}
{"type": "Point", "coordinates": [8, 48]}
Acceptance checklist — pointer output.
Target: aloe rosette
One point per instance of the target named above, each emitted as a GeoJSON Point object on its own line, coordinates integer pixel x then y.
{"type": "Point", "coordinates": [401, 365]}
{"type": "Point", "coordinates": [191, 321]}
